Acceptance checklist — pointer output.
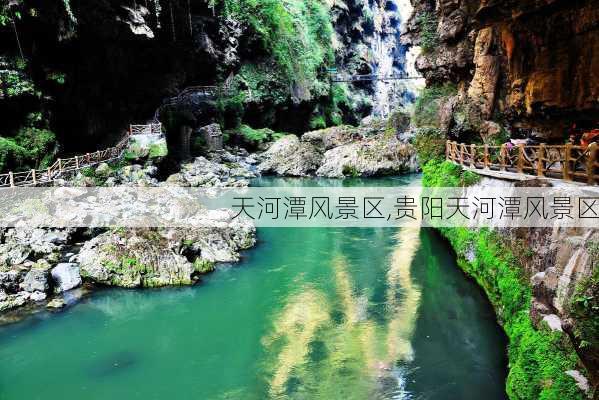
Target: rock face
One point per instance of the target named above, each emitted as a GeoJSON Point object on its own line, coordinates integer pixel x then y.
{"type": "Point", "coordinates": [213, 136]}
{"type": "Point", "coordinates": [150, 258]}
{"type": "Point", "coordinates": [561, 265]}
{"type": "Point", "coordinates": [534, 62]}
{"type": "Point", "coordinates": [338, 152]}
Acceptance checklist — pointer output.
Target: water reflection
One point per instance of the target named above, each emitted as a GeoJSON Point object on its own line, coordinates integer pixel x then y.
{"type": "Point", "coordinates": [333, 347]}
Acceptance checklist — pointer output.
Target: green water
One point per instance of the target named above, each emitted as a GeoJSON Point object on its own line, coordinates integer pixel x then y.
{"type": "Point", "coordinates": [307, 314]}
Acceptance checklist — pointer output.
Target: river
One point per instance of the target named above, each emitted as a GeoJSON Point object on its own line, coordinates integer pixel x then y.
{"type": "Point", "coordinates": [308, 313]}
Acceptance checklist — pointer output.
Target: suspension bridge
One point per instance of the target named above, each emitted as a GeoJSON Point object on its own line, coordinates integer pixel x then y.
{"type": "Point", "coordinates": [343, 77]}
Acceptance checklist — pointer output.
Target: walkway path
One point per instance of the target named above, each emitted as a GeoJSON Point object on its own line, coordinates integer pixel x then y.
{"type": "Point", "coordinates": [64, 166]}
{"type": "Point", "coordinates": [564, 162]}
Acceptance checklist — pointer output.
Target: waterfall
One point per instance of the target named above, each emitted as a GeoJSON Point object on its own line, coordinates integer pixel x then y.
{"type": "Point", "coordinates": [390, 57]}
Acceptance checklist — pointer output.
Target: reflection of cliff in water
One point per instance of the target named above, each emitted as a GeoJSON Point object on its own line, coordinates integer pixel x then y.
{"type": "Point", "coordinates": [323, 345]}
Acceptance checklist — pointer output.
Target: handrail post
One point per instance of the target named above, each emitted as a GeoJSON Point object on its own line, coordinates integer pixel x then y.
{"type": "Point", "coordinates": [49, 173]}
{"type": "Point", "coordinates": [566, 167]}
{"type": "Point", "coordinates": [77, 162]}
{"type": "Point", "coordinates": [473, 156]}
{"type": "Point", "coordinates": [11, 179]}
{"type": "Point", "coordinates": [462, 146]}
{"type": "Point", "coordinates": [34, 177]}
{"type": "Point", "coordinates": [447, 149]}
{"type": "Point", "coordinates": [520, 165]}
{"type": "Point", "coordinates": [60, 165]}
{"type": "Point", "coordinates": [87, 156]}
{"type": "Point", "coordinates": [502, 152]}
{"type": "Point", "coordinates": [486, 156]}
{"type": "Point", "coordinates": [541, 160]}
{"type": "Point", "coordinates": [591, 163]}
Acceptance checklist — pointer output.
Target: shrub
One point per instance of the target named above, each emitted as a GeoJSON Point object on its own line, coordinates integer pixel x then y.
{"type": "Point", "coordinates": [158, 150]}
{"type": "Point", "coordinates": [317, 122]}
{"type": "Point", "coordinates": [441, 173]}
{"type": "Point", "coordinates": [584, 306]}
{"type": "Point", "coordinates": [426, 107]}
{"type": "Point", "coordinates": [429, 39]}
{"type": "Point", "coordinates": [31, 148]}
{"type": "Point", "coordinates": [11, 154]}
{"type": "Point", "coordinates": [254, 137]}
{"type": "Point", "coordinates": [40, 145]}
{"type": "Point", "coordinates": [429, 144]}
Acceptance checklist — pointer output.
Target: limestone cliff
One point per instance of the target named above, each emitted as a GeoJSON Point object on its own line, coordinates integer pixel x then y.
{"type": "Point", "coordinates": [527, 64]}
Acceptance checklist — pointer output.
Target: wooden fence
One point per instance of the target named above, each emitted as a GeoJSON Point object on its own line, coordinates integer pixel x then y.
{"type": "Point", "coordinates": [147, 129]}
{"type": "Point", "coordinates": [567, 162]}
{"type": "Point", "coordinates": [63, 166]}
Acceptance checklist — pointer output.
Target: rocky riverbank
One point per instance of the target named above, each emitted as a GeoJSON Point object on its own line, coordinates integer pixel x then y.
{"type": "Point", "coordinates": [39, 266]}
{"type": "Point", "coordinates": [52, 267]}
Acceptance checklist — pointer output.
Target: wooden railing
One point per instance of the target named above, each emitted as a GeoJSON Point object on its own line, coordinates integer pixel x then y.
{"type": "Point", "coordinates": [66, 165]}
{"type": "Point", "coordinates": [147, 129]}
{"type": "Point", "coordinates": [567, 162]}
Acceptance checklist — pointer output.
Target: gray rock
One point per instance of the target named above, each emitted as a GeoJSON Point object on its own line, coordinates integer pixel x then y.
{"type": "Point", "coordinates": [9, 280]}
{"type": "Point", "coordinates": [56, 303]}
{"type": "Point", "coordinates": [103, 170]}
{"type": "Point", "coordinates": [290, 157]}
{"type": "Point", "coordinates": [150, 258]}
{"type": "Point", "coordinates": [37, 296]}
{"type": "Point", "coordinates": [35, 280]}
{"type": "Point", "coordinates": [374, 156]}
{"type": "Point", "coordinates": [554, 322]}
{"type": "Point", "coordinates": [203, 172]}
{"type": "Point", "coordinates": [581, 381]}
{"type": "Point", "coordinates": [13, 301]}
{"type": "Point", "coordinates": [13, 253]}
{"type": "Point", "coordinates": [213, 136]}
{"type": "Point", "coordinates": [66, 276]}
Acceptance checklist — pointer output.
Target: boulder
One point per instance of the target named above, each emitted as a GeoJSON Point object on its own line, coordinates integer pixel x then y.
{"type": "Point", "coordinates": [103, 170]}
{"type": "Point", "coordinates": [37, 296]}
{"type": "Point", "coordinates": [213, 136]}
{"type": "Point", "coordinates": [161, 257]}
{"type": "Point", "coordinates": [376, 156]}
{"type": "Point", "coordinates": [290, 157]}
{"type": "Point", "coordinates": [13, 253]}
{"type": "Point", "coordinates": [36, 280]}
{"type": "Point", "coordinates": [66, 276]}
{"type": "Point", "coordinates": [56, 303]}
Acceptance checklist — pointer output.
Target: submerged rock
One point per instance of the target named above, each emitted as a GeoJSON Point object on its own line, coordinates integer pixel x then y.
{"type": "Point", "coordinates": [56, 303]}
